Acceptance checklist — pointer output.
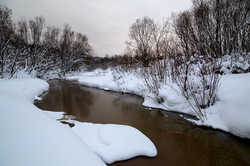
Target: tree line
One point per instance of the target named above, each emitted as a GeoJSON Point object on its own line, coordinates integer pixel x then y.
{"type": "Point", "coordinates": [34, 47]}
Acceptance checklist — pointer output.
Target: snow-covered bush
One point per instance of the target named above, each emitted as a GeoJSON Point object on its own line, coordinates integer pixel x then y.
{"type": "Point", "coordinates": [155, 75]}
{"type": "Point", "coordinates": [198, 82]}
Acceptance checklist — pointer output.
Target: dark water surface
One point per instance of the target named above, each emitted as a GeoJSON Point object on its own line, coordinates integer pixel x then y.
{"type": "Point", "coordinates": [179, 143]}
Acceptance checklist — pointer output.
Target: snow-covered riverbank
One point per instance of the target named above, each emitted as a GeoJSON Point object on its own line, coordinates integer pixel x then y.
{"type": "Point", "coordinates": [230, 113]}
{"type": "Point", "coordinates": [31, 137]}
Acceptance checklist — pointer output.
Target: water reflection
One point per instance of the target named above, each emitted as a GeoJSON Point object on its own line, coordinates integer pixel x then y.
{"type": "Point", "coordinates": [178, 141]}
{"type": "Point", "coordinates": [68, 98]}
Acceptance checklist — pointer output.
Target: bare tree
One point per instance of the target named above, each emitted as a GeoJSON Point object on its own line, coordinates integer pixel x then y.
{"type": "Point", "coordinates": [66, 43]}
{"type": "Point", "coordinates": [51, 37]}
{"type": "Point", "coordinates": [6, 24]}
{"type": "Point", "coordinates": [141, 36]}
{"type": "Point", "coordinates": [199, 56]}
{"type": "Point", "coordinates": [36, 28]}
{"type": "Point", "coordinates": [185, 32]}
{"type": "Point", "coordinates": [149, 45]}
{"type": "Point", "coordinates": [23, 31]}
{"type": "Point", "coordinates": [81, 51]}
{"type": "Point", "coordinates": [6, 34]}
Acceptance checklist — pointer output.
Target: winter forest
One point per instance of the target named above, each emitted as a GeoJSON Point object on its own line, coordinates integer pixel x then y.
{"type": "Point", "coordinates": [189, 73]}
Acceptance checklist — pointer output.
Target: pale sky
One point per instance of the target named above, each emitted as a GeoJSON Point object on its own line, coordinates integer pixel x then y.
{"type": "Point", "coordinates": [105, 22]}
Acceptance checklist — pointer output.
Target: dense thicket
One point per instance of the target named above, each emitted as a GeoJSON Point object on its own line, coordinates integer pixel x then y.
{"type": "Point", "coordinates": [33, 47]}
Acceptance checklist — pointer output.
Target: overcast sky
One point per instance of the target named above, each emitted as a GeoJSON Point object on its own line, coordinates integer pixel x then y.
{"type": "Point", "coordinates": [105, 22]}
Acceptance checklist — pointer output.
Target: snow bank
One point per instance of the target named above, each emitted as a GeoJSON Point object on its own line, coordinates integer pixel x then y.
{"type": "Point", "coordinates": [115, 142]}
{"type": "Point", "coordinates": [29, 138]}
{"type": "Point", "coordinates": [110, 142]}
{"type": "Point", "coordinates": [231, 113]}
{"type": "Point", "coordinates": [173, 100]}
{"type": "Point", "coordinates": [104, 79]}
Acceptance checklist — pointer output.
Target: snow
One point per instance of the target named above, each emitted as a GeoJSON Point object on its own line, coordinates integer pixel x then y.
{"type": "Point", "coordinates": [115, 142]}
{"type": "Point", "coordinates": [34, 137]}
{"type": "Point", "coordinates": [230, 113]}
{"type": "Point", "coordinates": [104, 79]}
{"type": "Point", "coordinates": [235, 63]}
{"type": "Point", "coordinates": [107, 140]}
{"type": "Point", "coordinates": [54, 115]}
{"type": "Point", "coordinates": [173, 100]}
{"type": "Point", "coordinates": [29, 138]}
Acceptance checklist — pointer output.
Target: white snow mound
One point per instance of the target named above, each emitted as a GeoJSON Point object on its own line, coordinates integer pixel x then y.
{"type": "Point", "coordinates": [115, 142]}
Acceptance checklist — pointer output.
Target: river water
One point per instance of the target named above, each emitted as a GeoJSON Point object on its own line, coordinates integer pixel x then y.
{"type": "Point", "coordinates": [178, 142]}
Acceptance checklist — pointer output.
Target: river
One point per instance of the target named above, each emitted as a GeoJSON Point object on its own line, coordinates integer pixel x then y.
{"type": "Point", "coordinates": [178, 141]}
